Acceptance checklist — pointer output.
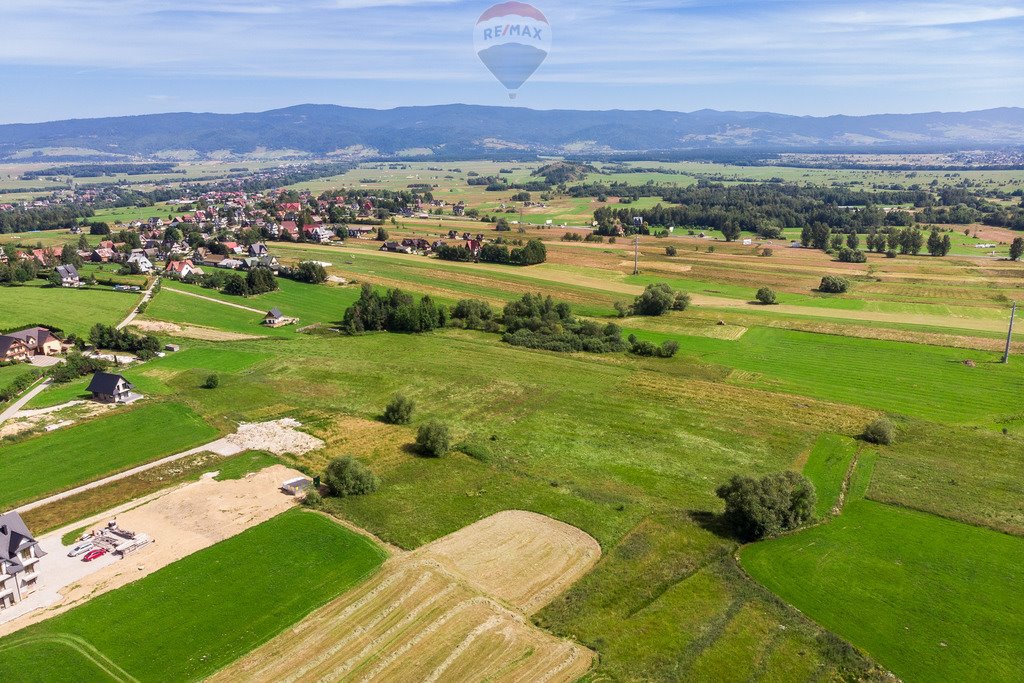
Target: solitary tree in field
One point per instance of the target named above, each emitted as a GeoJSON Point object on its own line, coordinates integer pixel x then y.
{"type": "Point", "coordinates": [756, 508]}
{"type": "Point", "coordinates": [349, 477]}
{"type": "Point", "coordinates": [434, 439]}
{"type": "Point", "coordinates": [881, 432]}
{"type": "Point", "coordinates": [766, 296]}
{"type": "Point", "coordinates": [399, 410]}
{"type": "Point", "coordinates": [1017, 249]}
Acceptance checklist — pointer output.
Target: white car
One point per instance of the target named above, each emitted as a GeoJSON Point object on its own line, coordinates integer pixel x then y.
{"type": "Point", "coordinates": [81, 549]}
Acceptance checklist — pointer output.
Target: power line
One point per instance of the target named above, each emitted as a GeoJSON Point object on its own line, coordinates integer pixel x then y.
{"type": "Point", "coordinates": [1009, 335]}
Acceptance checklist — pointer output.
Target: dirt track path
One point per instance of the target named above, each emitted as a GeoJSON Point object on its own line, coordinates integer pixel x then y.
{"type": "Point", "coordinates": [135, 311]}
{"type": "Point", "coordinates": [210, 298]}
{"type": "Point", "coordinates": [17, 405]}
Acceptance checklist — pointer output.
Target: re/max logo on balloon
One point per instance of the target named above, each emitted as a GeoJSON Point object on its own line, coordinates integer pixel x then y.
{"type": "Point", "coordinates": [512, 40]}
{"type": "Point", "coordinates": [514, 31]}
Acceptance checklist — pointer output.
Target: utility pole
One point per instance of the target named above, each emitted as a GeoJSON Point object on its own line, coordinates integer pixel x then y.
{"type": "Point", "coordinates": [1009, 335]}
{"type": "Point", "coordinates": [636, 255]}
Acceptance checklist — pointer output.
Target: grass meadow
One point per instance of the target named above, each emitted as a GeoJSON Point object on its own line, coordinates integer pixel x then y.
{"type": "Point", "coordinates": [60, 460]}
{"type": "Point", "coordinates": [227, 607]}
{"type": "Point", "coordinates": [928, 597]}
{"type": "Point", "coordinates": [72, 310]}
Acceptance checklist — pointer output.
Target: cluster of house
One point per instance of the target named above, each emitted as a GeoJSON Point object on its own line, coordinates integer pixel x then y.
{"type": "Point", "coordinates": [422, 246]}
{"type": "Point", "coordinates": [238, 258]}
{"type": "Point", "coordinates": [21, 346]}
{"type": "Point", "coordinates": [19, 557]}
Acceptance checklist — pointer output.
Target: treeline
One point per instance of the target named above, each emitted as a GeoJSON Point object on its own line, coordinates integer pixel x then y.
{"type": "Point", "coordinates": [764, 208]}
{"type": "Point", "coordinates": [112, 339]}
{"type": "Point", "coordinates": [532, 253]}
{"type": "Point", "coordinates": [95, 170]}
{"type": "Point", "coordinates": [534, 322]}
{"type": "Point", "coordinates": [43, 218]}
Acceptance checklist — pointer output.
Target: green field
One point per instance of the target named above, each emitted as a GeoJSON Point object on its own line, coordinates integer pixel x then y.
{"type": "Point", "coordinates": [76, 455]}
{"type": "Point", "coordinates": [918, 573]}
{"type": "Point", "coordinates": [72, 310]}
{"type": "Point", "coordinates": [227, 607]}
{"type": "Point", "coordinates": [930, 598]}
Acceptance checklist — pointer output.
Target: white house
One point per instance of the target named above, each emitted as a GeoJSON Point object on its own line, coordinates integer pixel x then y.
{"type": "Point", "coordinates": [145, 265]}
{"type": "Point", "coordinates": [19, 557]}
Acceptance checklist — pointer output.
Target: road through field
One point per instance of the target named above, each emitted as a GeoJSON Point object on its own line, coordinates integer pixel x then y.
{"type": "Point", "coordinates": [549, 275]}
{"type": "Point", "coordinates": [20, 403]}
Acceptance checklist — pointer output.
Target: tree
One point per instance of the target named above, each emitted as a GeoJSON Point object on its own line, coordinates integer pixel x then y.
{"type": "Point", "coordinates": [935, 243]}
{"type": "Point", "coordinates": [853, 240]}
{"type": "Point", "coordinates": [434, 439]}
{"type": "Point", "coordinates": [211, 382]}
{"type": "Point", "coordinates": [659, 299]}
{"type": "Point", "coordinates": [731, 231]}
{"type": "Point", "coordinates": [235, 285]}
{"type": "Point", "coordinates": [311, 272]}
{"type": "Point", "coordinates": [1017, 249]}
{"type": "Point", "coordinates": [503, 225]}
{"type": "Point", "coordinates": [260, 281]}
{"type": "Point", "coordinates": [947, 245]}
{"type": "Point", "coordinates": [348, 477]}
{"type": "Point", "coordinates": [833, 284]}
{"type": "Point", "coordinates": [757, 508]}
{"type": "Point", "coordinates": [399, 410]}
{"type": "Point", "coordinates": [54, 279]}
{"type": "Point", "coordinates": [766, 296]}
{"type": "Point", "coordinates": [382, 235]}
{"type": "Point", "coordinates": [881, 432]}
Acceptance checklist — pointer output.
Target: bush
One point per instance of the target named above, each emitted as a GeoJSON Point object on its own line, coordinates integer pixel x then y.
{"type": "Point", "coordinates": [757, 508]}
{"type": "Point", "coordinates": [833, 284]}
{"type": "Point", "coordinates": [212, 382]}
{"type": "Point", "coordinates": [434, 439]}
{"type": "Point", "coordinates": [881, 432]}
{"type": "Point", "coordinates": [847, 255]}
{"type": "Point", "coordinates": [659, 299]}
{"type": "Point", "coordinates": [671, 251]}
{"type": "Point", "coordinates": [399, 411]}
{"type": "Point", "coordinates": [766, 296]}
{"type": "Point", "coordinates": [349, 477]}
{"type": "Point", "coordinates": [313, 499]}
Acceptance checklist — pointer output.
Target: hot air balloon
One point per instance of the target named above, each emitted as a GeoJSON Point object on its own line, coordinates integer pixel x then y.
{"type": "Point", "coordinates": [512, 39]}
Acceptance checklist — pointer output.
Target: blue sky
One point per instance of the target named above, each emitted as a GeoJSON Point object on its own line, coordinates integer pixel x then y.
{"type": "Point", "coordinates": [85, 58]}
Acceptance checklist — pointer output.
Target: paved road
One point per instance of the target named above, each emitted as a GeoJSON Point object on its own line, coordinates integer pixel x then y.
{"type": "Point", "coordinates": [135, 311]}
{"type": "Point", "coordinates": [220, 447]}
{"type": "Point", "coordinates": [216, 301]}
{"type": "Point", "coordinates": [20, 403]}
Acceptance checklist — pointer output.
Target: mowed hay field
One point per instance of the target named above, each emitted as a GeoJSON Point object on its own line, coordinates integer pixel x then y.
{"type": "Point", "coordinates": [452, 611]}
{"type": "Point", "coordinates": [191, 618]}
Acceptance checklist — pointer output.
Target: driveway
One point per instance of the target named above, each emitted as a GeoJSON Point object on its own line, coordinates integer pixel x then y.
{"type": "Point", "coordinates": [20, 403]}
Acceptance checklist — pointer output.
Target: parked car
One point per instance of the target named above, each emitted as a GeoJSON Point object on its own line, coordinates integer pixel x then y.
{"type": "Point", "coordinates": [94, 554]}
{"type": "Point", "coordinates": [81, 548]}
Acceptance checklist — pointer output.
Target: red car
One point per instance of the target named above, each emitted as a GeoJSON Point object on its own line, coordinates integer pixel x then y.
{"type": "Point", "coordinates": [94, 554]}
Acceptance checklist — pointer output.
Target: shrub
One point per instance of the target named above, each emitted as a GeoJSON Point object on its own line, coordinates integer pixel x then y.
{"type": "Point", "coordinates": [399, 411]}
{"type": "Point", "coordinates": [881, 432]}
{"type": "Point", "coordinates": [671, 251]}
{"type": "Point", "coordinates": [847, 255]}
{"type": "Point", "coordinates": [313, 499]}
{"type": "Point", "coordinates": [757, 508]}
{"type": "Point", "coordinates": [434, 439]}
{"type": "Point", "coordinates": [659, 299]}
{"type": "Point", "coordinates": [349, 477]}
{"type": "Point", "coordinates": [212, 382]}
{"type": "Point", "coordinates": [766, 296]}
{"type": "Point", "coordinates": [833, 284]}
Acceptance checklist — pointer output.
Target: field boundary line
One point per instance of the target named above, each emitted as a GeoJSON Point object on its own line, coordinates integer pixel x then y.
{"type": "Point", "coordinates": [213, 300]}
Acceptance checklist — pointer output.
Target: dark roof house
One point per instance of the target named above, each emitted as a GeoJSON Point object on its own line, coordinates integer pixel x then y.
{"type": "Point", "coordinates": [110, 388]}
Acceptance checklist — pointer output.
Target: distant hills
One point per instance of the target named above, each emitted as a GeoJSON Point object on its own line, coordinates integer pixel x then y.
{"type": "Point", "coordinates": [466, 131]}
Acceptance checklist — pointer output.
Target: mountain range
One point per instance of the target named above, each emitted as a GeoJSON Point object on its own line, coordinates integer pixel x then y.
{"type": "Point", "coordinates": [468, 131]}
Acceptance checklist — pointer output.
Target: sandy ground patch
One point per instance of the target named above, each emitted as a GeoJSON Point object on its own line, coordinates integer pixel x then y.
{"type": "Point", "coordinates": [523, 558]}
{"type": "Point", "coordinates": [63, 415]}
{"type": "Point", "coordinates": [191, 331]}
{"type": "Point", "coordinates": [278, 436]}
{"type": "Point", "coordinates": [425, 617]}
{"type": "Point", "coordinates": [181, 521]}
